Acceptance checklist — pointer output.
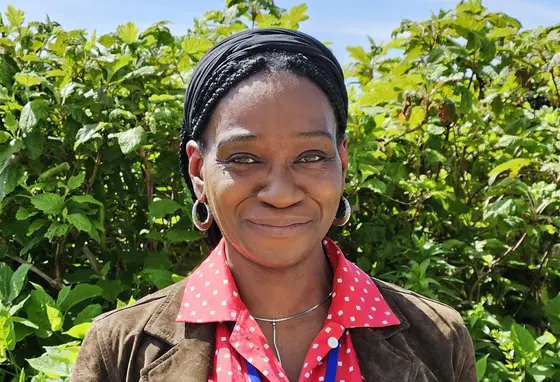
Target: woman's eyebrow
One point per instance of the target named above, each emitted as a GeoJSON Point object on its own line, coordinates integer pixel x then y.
{"type": "Point", "coordinates": [238, 137]}
{"type": "Point", "coordinates": [248, 137]}
{"type": "Point", "coordinates": [313, 134]}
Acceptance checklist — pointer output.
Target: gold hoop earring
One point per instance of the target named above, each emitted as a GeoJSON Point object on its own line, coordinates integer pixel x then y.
{"type": "Point", "coordinates": [202, 225]}
{"type": "Point", "coordinates": [339, 221]}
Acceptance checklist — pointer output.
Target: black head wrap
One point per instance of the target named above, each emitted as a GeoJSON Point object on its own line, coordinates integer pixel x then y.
{"type": "Point", "coordinates": [249, 42]}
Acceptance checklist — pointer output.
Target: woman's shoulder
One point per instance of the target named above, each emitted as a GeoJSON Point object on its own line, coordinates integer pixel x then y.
{"type": "Point", "coordinates": [420, 310]}
{"type": "Point", "coordinates": [141, 310]}
{"type": "Point", "coordinates": [113, 337]}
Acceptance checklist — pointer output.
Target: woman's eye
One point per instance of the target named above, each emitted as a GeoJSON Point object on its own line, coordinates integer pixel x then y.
{"type": "Point", "coordinates": [310, 158]}
{"type": "Point", "coordinates": [243, 160]}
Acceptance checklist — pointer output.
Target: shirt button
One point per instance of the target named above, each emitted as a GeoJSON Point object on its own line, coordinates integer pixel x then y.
{"type": "Point", "coordinates": [333, 342]}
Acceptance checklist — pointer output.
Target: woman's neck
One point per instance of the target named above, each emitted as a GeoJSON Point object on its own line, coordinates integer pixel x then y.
{"type": "Point", "coordinates": [277, 293]}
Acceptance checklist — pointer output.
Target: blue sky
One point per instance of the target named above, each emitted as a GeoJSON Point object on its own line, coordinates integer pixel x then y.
{"type": "Point", "coordinates": [342, 22]}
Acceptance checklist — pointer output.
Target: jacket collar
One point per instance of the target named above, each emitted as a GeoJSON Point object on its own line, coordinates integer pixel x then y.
{"type": "Point", "coordinates": [193, 347]}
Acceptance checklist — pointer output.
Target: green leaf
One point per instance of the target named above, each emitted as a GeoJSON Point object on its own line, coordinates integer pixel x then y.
{"type": "Point", "coordinates": [9, 179]}
{"type": "Point", "coordinates": [58, 365]}
{"type": "Point", "coordinates": [17, 307]}
{"type": "Point", "coordinates": [56, 229]}
{"type": "Point", "coordinates": [296, 14]}
{"type": "Point", "coordinates": [161, 278]}
{"type": "Point", "coordinates": [121, 304]}
{"type": "Point", "coordinates": [416, 116]}
{"type": "Point", "coordinates": [15, 16]}
{"type": "Point", "coordinates": [546, 338]}
{"type": "Point", "coordinates": [128, 32]}
{"type": "Point", "coordinates": [62, 294]}
{"type": "Point", "coordinates": [88, 132]}
{"type": "Point", "coordinates": [7, 332]}
{"type": "Point", "coordinates": [114, 63]}
{"type": "Point", "coordinates": [25, 322]}
{"type": "Point", "coordinates": [86, 199]}
{"type": "Point", "coordinates": [55, 317]}
{"type": "Point", "coordinates": [48, 203]}
{"type": "Point", "coordinates": [81, 222]}
{"type": "Point", "coordinates": [76, 181]}
{"type": "Point", "coordinates": [552, 310]}
{"type": "Point", "coordinates": [523, 342]}
{"type": "Point", "coordinates": [129, 140]}
{"type": "Point", "coordinates": [358, 53]}
{"type": "Point", "coordinates": [88, 313]}
{"type": "Point", "coordinates": [36, 310]}
{"type": "Point", "coordinates": [513, 166]}
{"type": "Point", "coordinates": [159, 98]}
{"type": "Point", "coordinates": [160, 208]}
{"type": "Point", "coordinates": [375, 185]}
{"type": "Point", "coordinates": [23, 331]}
{"type": "Point", "coordinates": [542, 372]}
{"type": "Point", "coordinates": [35, 225]}
{"type": "Point", "coordinates": [17, 281]}
{"type": "Point", "coordinates": [111, 289]}
{"type": "Point", "coordinates": [6, 274]}
{"type": "Point", "coordinates": [28, 79]}
{"type": "Point", "coordinates": [80, 293]}
{"type": "Point", "coordinates": [192, 45]}
{"type": "Point", "coordinates": [34, 144]}
{"type": "Point", "coordinates": [7, 153]}
{"type": "Point", "coordinates": [435, 129]}
{"type": "Point", "coordinates": [179, 235]}
{"type": "Point", "coordinates": [32, 113]}
{"type": "Point", "coordinates": [54, 171]}
{"type": "Point", "coordinates": [106, 40]}
{"type": "Point", "coordinates": [78, 331]}
{"type": "Point", "coordinates": [481, 367]}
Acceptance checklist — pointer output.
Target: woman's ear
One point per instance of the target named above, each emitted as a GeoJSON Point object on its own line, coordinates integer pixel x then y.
{"type": "Point", "coordinates": [343, 154]}
{"type": "Point", "coordinates": [196, 161]}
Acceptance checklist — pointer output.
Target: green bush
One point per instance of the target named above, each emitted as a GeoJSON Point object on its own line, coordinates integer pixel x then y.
{"type": "Point", "coordinates": [454, 176]}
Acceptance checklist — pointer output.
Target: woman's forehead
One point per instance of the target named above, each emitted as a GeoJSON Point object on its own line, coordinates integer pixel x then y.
{"type": "Point", "coordinates": [274, 103]}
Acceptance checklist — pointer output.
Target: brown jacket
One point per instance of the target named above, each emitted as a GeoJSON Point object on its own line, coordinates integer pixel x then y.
{"type": "Point", "coordinates": [142, 342]}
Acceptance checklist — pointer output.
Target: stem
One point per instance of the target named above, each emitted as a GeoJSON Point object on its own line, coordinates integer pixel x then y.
{"type": "Point", "coordinates": [13, 361]}
{"type": "Point", "coordinates": [94, 173]}
{"type": "Point", "coordinates": [470, 81]}
{"type": "Point", "coordinates": [147, 175]}
{"type": "Point", "coordinates": [555, 84]}
{"type": "Point", "coordinates": [508, 252]}
{"type": "Point", "coordinates": [544, 261]}
{"type": "Point", "coordinates": [38, 272]}
{"type": "Point", "coordinates": [92, 259]}
{"type": "Point", "coordinates": [58, 263]}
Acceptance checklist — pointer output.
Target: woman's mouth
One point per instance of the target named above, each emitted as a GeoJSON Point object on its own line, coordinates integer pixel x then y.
{"type": "Point", "coordinates": [280, 227]}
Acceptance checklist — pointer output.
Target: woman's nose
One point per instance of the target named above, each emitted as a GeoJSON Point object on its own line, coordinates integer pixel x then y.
{"type": "Point", "coordinates": [281, 189]}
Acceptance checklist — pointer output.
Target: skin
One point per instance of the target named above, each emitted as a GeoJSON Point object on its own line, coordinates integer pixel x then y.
{"type": "Point", "coordinates": [272, 173]}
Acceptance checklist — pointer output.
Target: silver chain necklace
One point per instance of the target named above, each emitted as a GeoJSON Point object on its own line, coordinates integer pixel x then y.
{"type": "Point", "coordinates": [274, 321]}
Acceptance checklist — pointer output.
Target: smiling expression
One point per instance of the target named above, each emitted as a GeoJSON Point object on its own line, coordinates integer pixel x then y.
{"type": "Point", "coordinates": [271, 168]}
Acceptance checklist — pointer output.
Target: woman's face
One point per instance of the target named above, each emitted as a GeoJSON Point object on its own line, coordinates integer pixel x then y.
{"type": "Point", "coordinates": [272, 171]}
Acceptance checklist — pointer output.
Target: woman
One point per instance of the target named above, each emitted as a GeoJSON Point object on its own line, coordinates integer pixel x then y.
{"type": "Point", "coordinates": [264, 153]}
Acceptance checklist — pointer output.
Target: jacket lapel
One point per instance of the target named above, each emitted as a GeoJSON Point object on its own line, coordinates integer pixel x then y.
{"type": "Point", "coordinates": [379, 360]}
{"type": "Point", "coordinates": [192, 345]}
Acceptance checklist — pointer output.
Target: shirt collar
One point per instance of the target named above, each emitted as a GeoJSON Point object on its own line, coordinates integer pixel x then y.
{"type": "Point", "coordinates": [211, 295]}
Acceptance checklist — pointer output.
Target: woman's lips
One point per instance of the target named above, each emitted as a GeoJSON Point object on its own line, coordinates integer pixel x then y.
{"type": "Point", "coordinates": [281, 228]}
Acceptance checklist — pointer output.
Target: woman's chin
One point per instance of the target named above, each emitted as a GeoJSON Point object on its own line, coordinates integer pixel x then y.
{"type": "Point", "coordinates": [278, 253]}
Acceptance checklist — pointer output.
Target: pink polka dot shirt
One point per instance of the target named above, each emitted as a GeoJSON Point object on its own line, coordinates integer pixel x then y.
{"type": "Point", "coordinates": [211, 296]}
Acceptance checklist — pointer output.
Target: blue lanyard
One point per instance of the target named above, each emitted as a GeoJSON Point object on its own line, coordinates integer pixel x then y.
{"type": "Point", "coordinates": [332, 364]}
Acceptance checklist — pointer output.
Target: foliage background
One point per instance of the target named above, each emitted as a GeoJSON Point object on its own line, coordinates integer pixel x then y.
{"type": "Point", "coordinates": [455, 147]}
